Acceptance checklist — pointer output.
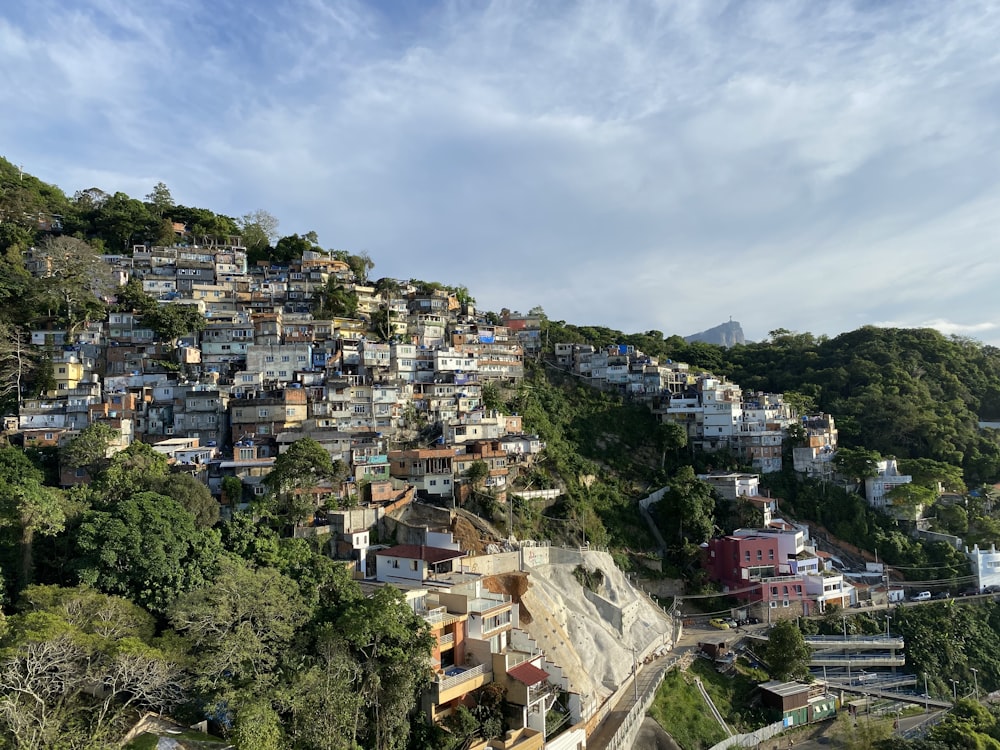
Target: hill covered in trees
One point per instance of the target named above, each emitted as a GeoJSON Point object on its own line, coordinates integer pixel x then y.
{"type": "Point", "coordinates": [908, 393]}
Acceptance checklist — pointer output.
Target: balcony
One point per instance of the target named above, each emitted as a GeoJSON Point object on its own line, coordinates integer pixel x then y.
{"type": "Point", "coordinates": [458, 681]}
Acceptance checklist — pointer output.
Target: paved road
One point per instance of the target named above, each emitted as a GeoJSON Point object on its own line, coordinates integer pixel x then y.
{"type": "Point", "coordinates": [648, 675]}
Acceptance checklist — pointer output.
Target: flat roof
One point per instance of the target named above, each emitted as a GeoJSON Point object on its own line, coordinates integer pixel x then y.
{"type": "Point", "coordinates": [421, 552]}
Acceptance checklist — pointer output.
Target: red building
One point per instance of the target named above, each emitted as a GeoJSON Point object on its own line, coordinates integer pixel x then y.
{"type": "Point", "coordinates": [749, 567]}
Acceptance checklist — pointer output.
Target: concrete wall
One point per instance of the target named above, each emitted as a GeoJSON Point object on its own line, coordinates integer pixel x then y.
{"type": "Point", "coordinates": [533, 557]}
{"type": "Point", "coordinates": [934, 536]}
{"type": "Point", "coordinates": [571, 739]}
{"type": "Point", "coordinates": [621, 617]}
{"type": "Point", "coordinates": [489, 565]}
{"type": "Point", "coordinates": [405, 533]}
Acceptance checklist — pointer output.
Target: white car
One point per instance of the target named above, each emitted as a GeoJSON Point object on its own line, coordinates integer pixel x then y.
{"type": "Point", "coordinates": [923, 596]}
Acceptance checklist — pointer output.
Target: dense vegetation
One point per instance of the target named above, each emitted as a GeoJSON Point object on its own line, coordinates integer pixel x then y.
{"type": "Point", "coordinates": [266, 635]}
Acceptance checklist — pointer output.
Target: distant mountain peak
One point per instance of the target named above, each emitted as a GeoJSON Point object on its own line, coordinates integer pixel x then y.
{"type": "Point", "coordinates": [728, 334]}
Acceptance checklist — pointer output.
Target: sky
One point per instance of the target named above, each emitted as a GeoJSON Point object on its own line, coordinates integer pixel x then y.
{"type": "Point", "coordinates": [815, 166]}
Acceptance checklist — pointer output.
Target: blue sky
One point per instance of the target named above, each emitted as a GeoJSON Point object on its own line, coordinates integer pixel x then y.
{"type": "Point", "coordinates": [641, 165]}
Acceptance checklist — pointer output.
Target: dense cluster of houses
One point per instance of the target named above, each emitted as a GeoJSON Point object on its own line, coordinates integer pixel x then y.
{"type": "Point", "coordinates": [715, 413]}
{"type": "Point", "coordinates": [265, 372]}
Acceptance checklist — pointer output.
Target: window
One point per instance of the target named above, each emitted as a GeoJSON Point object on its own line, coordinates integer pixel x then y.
{"type": "Point", "coordinates": [269, 358]}
{"type": "Point", "coordinates": [773, 605]}
{"type": "Point", "coordinates": [784, 603]}
{"type": "Point", "coordinates": [413, 564]}
{"type": "Point", "coordinates": [770, 554]}
{"type": "Point", "coordinates": [394, 563]}
{"type": "Point", "coordinates": [246, 454]}
{"type": "Point", "coordinates": [798, 589]}
{"type": "Point", "coordinates": [433, 483]}
{"type": "Point", "coordinates": [774, 591]}
{"type": "Point", "coordinates": [262, 412]}
{"type": "Point", "coordinates": [285, 358]}
{"type": "Point", "coordinates": [48, 435]}
{"type": "Point", "coordinates": [760, 555]}
{"type": "Point", "coordinates": [260, 490]}
{"type": "Point", "coordinates": [746, 555]}
{"type": "Point", "coordinates": [784, 590]}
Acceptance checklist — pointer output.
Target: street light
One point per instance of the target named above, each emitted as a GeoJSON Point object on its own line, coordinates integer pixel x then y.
{"type": "Point", "coordinates": [975, 676]}
{"type": "Point", "coordinates": [954, 690]}
{"type": "Point", "coordinates": [926, 695]}
{"type": "Point", "coordinates": [635, 675]}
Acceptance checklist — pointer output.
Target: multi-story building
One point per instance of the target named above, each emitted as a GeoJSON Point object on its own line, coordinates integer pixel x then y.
{"type": "Point", "coordinates": [429, 470]}
{"type": "Point", "coordinates": [877, 488]}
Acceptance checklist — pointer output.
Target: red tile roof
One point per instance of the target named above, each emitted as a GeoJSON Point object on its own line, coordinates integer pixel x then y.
{"type": "Point", "coordinates": [528, 673]}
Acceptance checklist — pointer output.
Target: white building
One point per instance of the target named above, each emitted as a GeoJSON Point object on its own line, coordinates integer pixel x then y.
{"type": "Point", "coordinates": [985, 565]}
{"type": "Point", "coordinates": [888, 478]}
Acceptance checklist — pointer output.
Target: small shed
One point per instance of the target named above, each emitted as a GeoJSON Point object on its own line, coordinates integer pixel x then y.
{"type": "Point", "coordinates": [798, 702]}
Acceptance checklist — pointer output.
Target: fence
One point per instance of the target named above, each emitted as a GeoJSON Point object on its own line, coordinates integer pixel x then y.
{"type": "Point", "coordinates": [752, 739]}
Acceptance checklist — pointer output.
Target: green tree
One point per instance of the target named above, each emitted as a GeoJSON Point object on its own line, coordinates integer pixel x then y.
{"type": "Point", "coordinates": [291, 248]}
{"type": "Point", "coordinates": [239, 624]}
{"type": "Point", "coordinates": [786, 653]}
{"type": "Point", "coordinates": [136, 469]}
{"type": "Point", "coordinates": [258, 726]}
{"type": "Point", "coordinates": [477, 473]}
{"type": "Point", "coordinates": [31, 508]}
{"type": "Point", "coordinates": [131, 298]}
{"type": "Point", "coordinates": [145, 547]}
{"type": "Point", "coordinates": [360, 265]}
{"type": "Point", "coordinates": [302, 467]}
{"type": "Point", "coordinates": [171, 321]}
{"type": "Point", "coordinates": [857, 463]}
{"type": "Point", "coordinates": [392, 647]}
{"type": "Point", "coordinates": [671, 437]}
{"type": "Point", "coordinates": [686, 511]}
{"type": "Point", "coordinates": [160, 201]}
{"type": "Point", "coordinates": [89, 449]}
{"type": "Point", "coordinates": [335, 300]}
{"type": "Point", "coordinates": [325, 705]}
{"type": "Point", "coordinates": [232, 490]}
{"type": "Point", "coordinates": [929, 473]}
{"type": "Point", "coordinates": [122, 221]}
{"type": "Point", "coordinates": [191, 494]}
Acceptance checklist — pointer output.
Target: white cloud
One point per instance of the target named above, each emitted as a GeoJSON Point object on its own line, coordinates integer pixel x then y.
{"type": "Point", "coordinates": [638, 165]}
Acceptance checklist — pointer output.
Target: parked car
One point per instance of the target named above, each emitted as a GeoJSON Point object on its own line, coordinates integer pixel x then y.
{"type": "Point", "coordinates": [941, 595]}
{"type": "Point", "coordinates": [718, 622]}
{"type": "Point", "coordinates": [991, 590]}
{"type": "Point", "coordinates": [923, 596]}
{"type": "Point", "coordinates": [732, 623]}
